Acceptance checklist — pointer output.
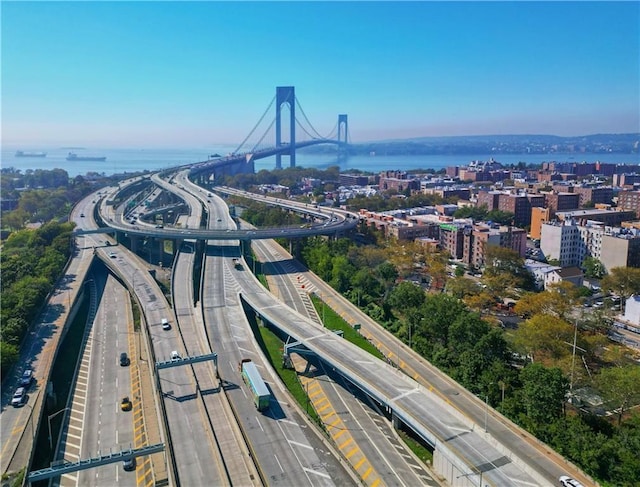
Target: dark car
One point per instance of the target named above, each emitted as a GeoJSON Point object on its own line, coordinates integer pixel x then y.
{"type": "Point", "coordinates": [129, 465]}
{"type": "Point", "coordinates": [27, 378]}
{"type": "Point", "coordinates": [124, 360]}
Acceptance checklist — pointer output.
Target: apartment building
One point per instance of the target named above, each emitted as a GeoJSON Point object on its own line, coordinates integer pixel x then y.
{"type": "Point", "coordinates": [538, 217]}
{"type": "Point", "coordinates": [398, 180]}
{"type": "Point", "coordinates": [452, 239]}
{"type": "Point", "coordinates": [626, 179]}
{"type": "Point", "coordinates": [630, 201]}
{"type": "Point", "coordinates": [562, 201]}
{"type": "Point", "coordinates": [608, 217]}
{"type": "Point", "coordinates": [476, 239]}
{"type": "Point", "coordinates": [571, 243]}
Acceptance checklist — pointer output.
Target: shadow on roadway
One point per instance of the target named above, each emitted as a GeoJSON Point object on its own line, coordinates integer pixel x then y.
{"type": "Point", "coordinates": [274, 410]}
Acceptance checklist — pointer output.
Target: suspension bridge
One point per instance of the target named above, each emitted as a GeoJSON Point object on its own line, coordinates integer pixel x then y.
{"type": "Point", "coordinates": [290, 132]}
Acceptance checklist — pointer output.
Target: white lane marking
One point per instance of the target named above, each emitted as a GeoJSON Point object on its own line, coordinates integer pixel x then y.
{"type": "Point", "coordinates": [301, 444]}
{"type": "Point", "coordinates": [281, 469]}
{"type": "Point", "coordinates": [321, 474]}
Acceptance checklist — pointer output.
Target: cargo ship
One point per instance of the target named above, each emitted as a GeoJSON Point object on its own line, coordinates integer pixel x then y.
{"type": "Point", "coordinates": [75, 157]}
{"type": "Point", "coordinates": [30, 154]}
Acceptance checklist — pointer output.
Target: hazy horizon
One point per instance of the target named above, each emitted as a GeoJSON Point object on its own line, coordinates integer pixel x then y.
{"type": "Point", "coordinates": [201, 74]}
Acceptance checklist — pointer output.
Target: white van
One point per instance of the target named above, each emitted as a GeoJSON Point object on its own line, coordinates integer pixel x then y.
{"type": "Point", "coordinates": [175, 355]}
{"type": "Point", "coordinates": [165, 324]}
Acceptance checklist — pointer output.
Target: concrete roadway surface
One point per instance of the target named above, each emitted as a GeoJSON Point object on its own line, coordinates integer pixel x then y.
{"type": "Point", "coordinates": [193, 446]}
{"type": "Point", "coordinates": [97, 423]}
{"type": "Point", "coordinates": [539, 455]}
{"type": "Point", "coordinates": [226, 442]}
{"type": "Point", "coordinates": [359, 430]}
{"type": "Point", "coordinates": [455, 435]}
{"type": "Point", "coordinates": [95, 399]}
{"type": "Point", "coordinates": [536, 453]}
{"type": "Point", "coordinates": [18, 425]}
{"type": "Point", "coordinates": [285, 446]}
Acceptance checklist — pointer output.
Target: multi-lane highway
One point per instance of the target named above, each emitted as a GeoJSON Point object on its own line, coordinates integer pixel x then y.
{"type": "Point", "coordinates": [211, 430]}
{"type": "Point", "coordinates": [355, 424]}
{"type": "Point", "coordinates": [287, 450]}
{"type": "Point", "coordinates": [535, 456]}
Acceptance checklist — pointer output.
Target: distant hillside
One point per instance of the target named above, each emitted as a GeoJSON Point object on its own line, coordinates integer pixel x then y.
{"type": "Point", "coordinates": [505, 144]}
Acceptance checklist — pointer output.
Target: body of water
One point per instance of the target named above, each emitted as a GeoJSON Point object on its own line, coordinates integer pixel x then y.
{"type": "Point", "coordinates": [132, 160]}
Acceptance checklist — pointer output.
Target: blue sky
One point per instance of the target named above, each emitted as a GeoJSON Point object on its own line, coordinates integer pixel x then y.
{"type": "Point", "coordinates": [193, 74]}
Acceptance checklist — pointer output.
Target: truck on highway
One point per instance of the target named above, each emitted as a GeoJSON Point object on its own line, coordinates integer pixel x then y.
{"type": "Point", "coordinates": [236, 263]}
{"type": "Point", "coordinates": [259, 390]}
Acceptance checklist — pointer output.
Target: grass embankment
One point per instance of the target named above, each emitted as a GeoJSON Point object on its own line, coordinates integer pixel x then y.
{"type": "Point", "coordinates": [273, 348]}
{"type": "Point", "coordinates": [333, 321]}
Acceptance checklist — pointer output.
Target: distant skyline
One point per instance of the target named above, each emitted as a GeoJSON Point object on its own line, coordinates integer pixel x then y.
{"type": "Point", "coordinates": [200, 74]}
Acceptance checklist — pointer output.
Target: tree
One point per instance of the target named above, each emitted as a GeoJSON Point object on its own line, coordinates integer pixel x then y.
{"type": "Point", "coordinates": [624, 281]}
{"type": "Point", "coordinates": [544, 337]}
{"type": "Point", "coordinates": [406, 295]}
{"type": "Point", "coordinates": [8, 356]}
{"type": "Point", "coordinates": [340, 273]}
{"type": "Point", "coordinates": [505, 270]}
{"type": "Point", "coordinates": [593, 268]}
{"type": "Point", "coordinates": [473, 212]}
{"type": "Point", "coordinates": [480, 302]}
{"type": "Point", "coordinates": [559, 300]}
{"type": "Point", "coordinates": [620, 387]}
{"type": "Point", "coordinates": [460, 287]}
{"type": "Point", "coordinates": [543, 393]}
{"type": "Point", "coordinates": [499, 216]}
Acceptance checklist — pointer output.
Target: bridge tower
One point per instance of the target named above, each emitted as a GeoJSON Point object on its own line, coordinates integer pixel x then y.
{"type": "Point", "coordinates": [342, 122]}
{"type": "Point", "coordinates": [286, 94]}
{"type": "Point", "coordinates": [343, 129]}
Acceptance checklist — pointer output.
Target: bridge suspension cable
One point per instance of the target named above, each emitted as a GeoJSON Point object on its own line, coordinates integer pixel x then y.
{"type": "Point", "coordinates": [257, 124]}
{"type": "Point", "coordinates": [308, 122]}
{"type": "Point", "coordinates": [253, 149]}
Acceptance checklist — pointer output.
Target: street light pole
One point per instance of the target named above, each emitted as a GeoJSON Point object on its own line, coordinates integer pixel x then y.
{"type": "Point", "coordinates": [49, 423]}
{"type": "Point", "coordinates": [486, 411]}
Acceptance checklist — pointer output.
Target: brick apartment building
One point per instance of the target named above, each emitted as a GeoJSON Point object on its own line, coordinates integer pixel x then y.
{"type": "Point", "coordinates": [476, 239]}
{"type": "Point", "coordinates": [398, 180]}
{"type": "Point", "coordinates": [630, 201]}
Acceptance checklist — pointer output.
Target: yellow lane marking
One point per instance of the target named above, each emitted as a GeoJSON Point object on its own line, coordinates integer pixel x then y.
{"type": "Point", "coordinates": [367, 473]}
{"type": "Point", "coordinates": [339, 434]}
{"type": "Point", "coordinates": [326, 406]}
{"type": "Point", "coordinates": [345, 443]}
{"type": "Point", "coordinates": [375, 483]}
{"type": "Point", "coordinates": [352, 452]}
{"type": "Point", "coordinates": [359, 464]}
{"type": "Point", "coordinates": [328, 415]}
{"type": "Point", "coordinates": [320, 401]}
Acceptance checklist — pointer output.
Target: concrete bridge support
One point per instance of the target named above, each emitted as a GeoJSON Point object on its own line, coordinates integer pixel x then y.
{"type": "Point", "coordinates": [135, 243]}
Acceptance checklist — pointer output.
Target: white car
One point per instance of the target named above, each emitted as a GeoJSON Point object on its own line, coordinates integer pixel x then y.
{"type": "Point", "coordinates": [19, 397]}
{"type": "Point", "coordinates": [566, 481]}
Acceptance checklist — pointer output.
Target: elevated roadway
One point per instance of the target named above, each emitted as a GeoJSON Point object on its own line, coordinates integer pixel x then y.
{"type": "Point", "coordinates": [355, 424]}
{"type": "Point", "coordinates": [501, 463]}
{"type": "Point", "coordinates": [537, 456]}
{"type": "Point", "coordinates": [287, 451]}
{"type": "Point", "coordinates": [331, 222]}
